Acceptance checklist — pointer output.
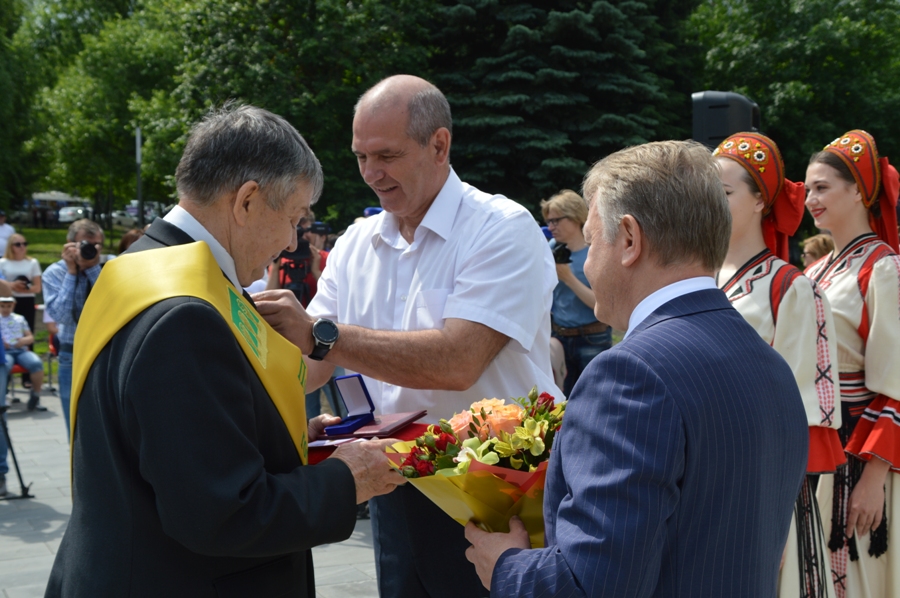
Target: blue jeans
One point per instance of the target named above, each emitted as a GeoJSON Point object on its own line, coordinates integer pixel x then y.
{"type": "Point", "coordinates": [25, 358]}
{"type": "Point", "coordinates": [4, 449]}
{"type": "Point", "coordinates": [580, 350]}
{"type": "Point", "coordinates": [65, 385]}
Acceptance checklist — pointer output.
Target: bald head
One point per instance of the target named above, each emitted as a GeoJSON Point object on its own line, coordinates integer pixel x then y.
{"type": "Point", "coordinates": [425, 107]}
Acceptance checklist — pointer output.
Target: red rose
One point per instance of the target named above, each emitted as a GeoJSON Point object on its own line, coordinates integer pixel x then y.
{"type": "Point", "coordinates": [441, 442]}
{"type": "Point", "coordinates": [424, 468]}
{"type": "Point", "coordinates": [544, 403]}
{"type": "Point", "coordinates": [546, 400]}
{"type": "Point", "coordinates": [413, 457]}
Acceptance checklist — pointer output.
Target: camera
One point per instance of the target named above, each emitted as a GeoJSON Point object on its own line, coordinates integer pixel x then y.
{"type": "Point", "coordinates": [23, 278]}
{"type": "Point", "coordinates": [301, 253]}
{"type": "Point", "coordinates": [87, 250]}
{"type": "Point", "coordinates": [562, 254]}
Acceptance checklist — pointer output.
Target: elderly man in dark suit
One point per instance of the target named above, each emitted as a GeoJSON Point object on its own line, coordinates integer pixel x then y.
{"type": "Point", "coordinates": [683, 447]}
{"type": "Point", "coordinates": [189, 437]}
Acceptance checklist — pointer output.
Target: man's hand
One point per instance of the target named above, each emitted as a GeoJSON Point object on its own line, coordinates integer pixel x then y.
{"type": "Point", "coordinates": [72, 256]}
{"type": "Point", "coordinates": [318, 424]}
{"type": "Point", "coordinates": [486, 548]}
{"type": "Point", "coordinates": [371, 469]}
{"type": "Point", "coordinates": [284, 313]}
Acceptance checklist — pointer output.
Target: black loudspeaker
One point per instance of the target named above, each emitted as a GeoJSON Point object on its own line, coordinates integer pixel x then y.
{"type": "Point", "coordinates": [718, 114]}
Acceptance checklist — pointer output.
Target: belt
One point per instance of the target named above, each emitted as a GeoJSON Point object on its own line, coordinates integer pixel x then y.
{"type": "Point", "coordinates": [595, 328]}
{"type": "Point", "coordinates": [65, 347]}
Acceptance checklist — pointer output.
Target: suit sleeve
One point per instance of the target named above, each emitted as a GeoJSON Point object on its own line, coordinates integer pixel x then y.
{"type": "Point", "coordinates": [187, 408]}
{"type": "Point", "coordinates": [618, 460]}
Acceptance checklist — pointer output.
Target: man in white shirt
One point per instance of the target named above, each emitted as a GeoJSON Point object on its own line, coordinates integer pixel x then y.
{"type": "Point", "coordinates": [441, 300]}
{"type": "Point", "coordinates": [6, 231]}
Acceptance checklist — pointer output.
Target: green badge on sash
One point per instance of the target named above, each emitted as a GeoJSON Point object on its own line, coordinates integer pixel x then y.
{"type": "Point", "coordinates": [248, 324]}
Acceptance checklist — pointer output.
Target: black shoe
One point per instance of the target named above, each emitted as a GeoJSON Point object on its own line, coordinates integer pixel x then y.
{"type": "Point", "coordinates": [2, 485]}
{"type": "Point", "coordinates": [16, 400]}
{"type": "Point", "coordinates": [33, 403]}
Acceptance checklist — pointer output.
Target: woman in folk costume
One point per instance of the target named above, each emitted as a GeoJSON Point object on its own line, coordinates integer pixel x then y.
{"type": "Point", "coordinates": [791, 314]}
{"type": "Point", "coordinates": [853, 193]}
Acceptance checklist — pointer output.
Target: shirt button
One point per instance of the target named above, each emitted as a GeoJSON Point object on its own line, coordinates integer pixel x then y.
{"type": "Point", "coordinates": [402, 297]}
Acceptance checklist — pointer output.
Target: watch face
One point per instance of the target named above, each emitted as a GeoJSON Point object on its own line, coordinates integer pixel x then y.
{"type": "Point", "coordinates": [325, 331]}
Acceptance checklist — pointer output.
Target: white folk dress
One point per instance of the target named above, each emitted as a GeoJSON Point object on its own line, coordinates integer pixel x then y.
{"type": "Point", "coordinates": [862, 284]}
{"type": "Point", "coordinates": [789, 312]}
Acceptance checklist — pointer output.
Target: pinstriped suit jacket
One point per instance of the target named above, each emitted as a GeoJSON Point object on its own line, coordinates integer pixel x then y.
{"type": "Point", "coordinates": [676, 469]}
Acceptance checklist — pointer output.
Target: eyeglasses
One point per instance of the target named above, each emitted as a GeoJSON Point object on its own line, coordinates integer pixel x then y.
{"type": "Point", "coordinates": [20, 244]}
{"type": "Point", "coordinates": [554, 221]}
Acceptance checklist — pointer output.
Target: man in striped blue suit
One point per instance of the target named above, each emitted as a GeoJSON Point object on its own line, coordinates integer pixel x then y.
{"type": "Point", "coordinates": [683, 447]}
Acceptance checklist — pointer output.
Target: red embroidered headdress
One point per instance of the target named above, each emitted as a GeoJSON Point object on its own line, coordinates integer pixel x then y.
{"type": "Point", "coordinates": [876, 179]}
{"type": "Point", "coordinates": [783, 199]}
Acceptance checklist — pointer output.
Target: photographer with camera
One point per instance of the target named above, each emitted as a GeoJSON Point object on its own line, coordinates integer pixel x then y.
{"type": "Point", "coordinates": [572, 315]}
{"type": "Point", "coordinates": [299, 270]}
{"type": "Point", "coordinates": [67, 284]}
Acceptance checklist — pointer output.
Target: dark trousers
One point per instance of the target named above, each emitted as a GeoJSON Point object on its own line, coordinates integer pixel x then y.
{"type": "Point", "coordinates": [580, 350]}
{"type": "Point", "coordinates": [420, 552]}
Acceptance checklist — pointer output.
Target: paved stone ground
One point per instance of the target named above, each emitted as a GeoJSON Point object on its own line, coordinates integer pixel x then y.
{"type": "Point", "coordinates": [31, 529]}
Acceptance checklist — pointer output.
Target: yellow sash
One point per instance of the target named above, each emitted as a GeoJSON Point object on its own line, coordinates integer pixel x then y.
{"type": "Point", "coordinates": [131, 283]}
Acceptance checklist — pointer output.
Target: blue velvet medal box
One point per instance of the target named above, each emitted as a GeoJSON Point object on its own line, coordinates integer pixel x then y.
{"type": "Point", "coordinates": [355, 397]}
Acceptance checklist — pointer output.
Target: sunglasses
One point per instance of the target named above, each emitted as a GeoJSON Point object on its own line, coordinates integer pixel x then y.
{"type": "Point", "coordinates": [20, 244]}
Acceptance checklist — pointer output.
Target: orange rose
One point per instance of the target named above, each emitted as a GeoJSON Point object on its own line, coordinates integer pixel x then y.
{"type": "Point", "coordinates": [504, 418]}
{"type": "Point", "coordinates": [460, 424]}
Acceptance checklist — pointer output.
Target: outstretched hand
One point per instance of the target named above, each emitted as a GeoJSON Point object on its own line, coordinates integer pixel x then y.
{"type": "Point", "coordinates": [486, 547]}
{"type": "Point", "coordinates": [371, 469]}
{"type": "Point", "coordinates": [284, 313]}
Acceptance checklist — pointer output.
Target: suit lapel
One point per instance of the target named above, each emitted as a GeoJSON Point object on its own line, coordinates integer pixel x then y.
{"type": "Point", "coordinates": [167, 234]}
{"type": "Point", "coordinates": [685, 305]}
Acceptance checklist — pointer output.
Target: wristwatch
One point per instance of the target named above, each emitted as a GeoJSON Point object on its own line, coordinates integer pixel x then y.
{"type": "Point", "coordinates": [325, 334]}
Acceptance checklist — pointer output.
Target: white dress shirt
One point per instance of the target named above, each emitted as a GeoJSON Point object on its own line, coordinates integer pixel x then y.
{"type": "Point", "coordinates": [181, 218]}
{"type": "Point", "coordinates": [659, 298]}
{"type": "Point", "coordinates": [474, 257]}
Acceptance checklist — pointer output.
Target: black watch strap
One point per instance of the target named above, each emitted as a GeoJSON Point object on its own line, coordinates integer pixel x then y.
{"type": "Point", "coordinates": [319, 352]}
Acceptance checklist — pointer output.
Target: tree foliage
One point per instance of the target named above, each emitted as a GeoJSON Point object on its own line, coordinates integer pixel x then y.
{"type": "Point", "coordinates": [816, 68]}
{"type": "Point", "coordinates": [541, 90]}
{"type": "Point", "coordinates": [307, 61]}
{"type": "Point", "coordinates": [90, 130]}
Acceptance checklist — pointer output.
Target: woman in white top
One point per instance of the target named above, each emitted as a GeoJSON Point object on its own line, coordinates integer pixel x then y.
{"type": "Point", "coordinates": [24, 274]}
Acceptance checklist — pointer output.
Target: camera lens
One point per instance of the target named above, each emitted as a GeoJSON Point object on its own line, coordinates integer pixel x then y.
{"type": "Point", "coordinates": [87, 250]}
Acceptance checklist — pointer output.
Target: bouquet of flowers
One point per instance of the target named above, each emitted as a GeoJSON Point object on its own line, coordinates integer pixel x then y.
{"type": "Point", "coordinates": [487, 463]}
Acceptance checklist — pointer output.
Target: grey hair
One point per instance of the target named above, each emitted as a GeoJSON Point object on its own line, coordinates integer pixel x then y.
{"type": "Point", "coordinates": [86, 226]}
{"type": "Point", "coordinates": [673, 190]}
{"type": "Point", "coordinates": [428, 111]}
{"type": "Point", "coordinates": [236, 144]}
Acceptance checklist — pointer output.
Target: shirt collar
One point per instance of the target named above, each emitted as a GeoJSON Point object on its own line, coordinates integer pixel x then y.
{"type": "Point", "coordinates": [183, 219]}
{"type": "Point", "coordinates": [662, 296]}
{"type": "Point", "coordinates": [439, 219]}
